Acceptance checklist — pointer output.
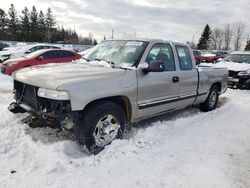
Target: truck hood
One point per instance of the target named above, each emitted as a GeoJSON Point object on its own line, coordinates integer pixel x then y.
{"type": "Point", "coordinates": [233, 66]}
{"type": "Point", "coordinates": [52, 76]}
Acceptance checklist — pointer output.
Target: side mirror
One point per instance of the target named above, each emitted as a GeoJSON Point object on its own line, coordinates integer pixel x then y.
{"type": "Point", "coordinates": [153, 66]}
{"type": "Point", "coordinates": [40, 58]}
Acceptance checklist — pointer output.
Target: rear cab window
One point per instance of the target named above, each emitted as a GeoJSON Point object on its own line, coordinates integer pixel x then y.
{"type": "Point", "coordinates": [184, 57]}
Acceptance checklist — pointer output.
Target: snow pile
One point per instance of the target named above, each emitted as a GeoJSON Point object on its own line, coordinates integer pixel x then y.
{"type": "Point", "coordinates": [187, 148]}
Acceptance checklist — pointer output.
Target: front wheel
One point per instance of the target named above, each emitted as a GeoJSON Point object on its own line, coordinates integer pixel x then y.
{"type": "Point", "coordinates": [211, 101]}
{"type": "Point", "coordinates": [99, 125]}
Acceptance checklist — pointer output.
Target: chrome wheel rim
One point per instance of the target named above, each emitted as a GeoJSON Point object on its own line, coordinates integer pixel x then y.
{"type": "Point", "coordinates": [212, 99]}
{"type": "Point", "coordinates": [106, 130]}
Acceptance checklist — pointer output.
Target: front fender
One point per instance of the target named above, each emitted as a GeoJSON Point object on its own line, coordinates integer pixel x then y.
{"type": "Point", "coordinates": [82, 93]}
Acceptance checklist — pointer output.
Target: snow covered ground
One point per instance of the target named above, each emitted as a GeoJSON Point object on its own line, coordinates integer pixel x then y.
{"type": "Point", "coordinates": [187, 148]}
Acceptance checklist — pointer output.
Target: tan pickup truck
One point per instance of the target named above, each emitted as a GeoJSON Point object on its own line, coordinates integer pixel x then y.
{"type": "Point", "coordinates": [117, 82]}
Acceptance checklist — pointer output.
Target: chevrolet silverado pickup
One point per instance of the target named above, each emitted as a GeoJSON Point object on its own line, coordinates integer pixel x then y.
{"type": "Point", "coordinates": [117, 83]}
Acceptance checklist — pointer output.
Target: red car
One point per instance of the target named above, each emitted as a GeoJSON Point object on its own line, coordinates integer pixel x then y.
{"type": "Point", "coordinates": [208, 56]}
{"type": "Point", "coordinates": [39, 57]}
{"type": "Point", "coordinates": [197, 56]}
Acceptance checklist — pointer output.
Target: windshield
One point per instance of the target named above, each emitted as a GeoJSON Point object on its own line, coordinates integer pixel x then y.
{"type": "Point", "coordinates": [239, 58]}
{"type": "Point", "coordinates": [119, 53]}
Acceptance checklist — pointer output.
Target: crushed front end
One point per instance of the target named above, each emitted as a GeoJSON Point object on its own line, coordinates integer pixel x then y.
{"type": "Point", "coordinates": [239, 79]}
{"type": "Point", "coordinates": [57, 112]}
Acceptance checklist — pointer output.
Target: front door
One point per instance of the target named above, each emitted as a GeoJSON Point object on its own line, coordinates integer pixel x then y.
{"type": "Point", "coordinates": [158, 91]}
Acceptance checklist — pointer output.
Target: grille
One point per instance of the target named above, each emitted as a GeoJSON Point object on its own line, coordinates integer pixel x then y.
{"type": "Point", "coordinates": [26, 93]}
{"type": "Point", "coordinates": [233, 74]}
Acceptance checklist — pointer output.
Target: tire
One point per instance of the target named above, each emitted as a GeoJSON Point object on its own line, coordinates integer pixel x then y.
{"type": "Point", "coordinates": [99, 125]}
{"type": "Point", "coordinates": [247, 83]}
{"type": "Point", "coordinates": [211, 101]}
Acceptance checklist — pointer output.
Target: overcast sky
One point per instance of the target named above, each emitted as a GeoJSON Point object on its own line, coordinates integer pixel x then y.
{"type": "Point", "coordinates": [179, 20]}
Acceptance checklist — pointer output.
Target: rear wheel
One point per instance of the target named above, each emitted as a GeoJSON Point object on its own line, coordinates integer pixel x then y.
{"type": "Point", "coordinates": [99, 125]}
{"type": "Point", "coordinates": [212, 100]}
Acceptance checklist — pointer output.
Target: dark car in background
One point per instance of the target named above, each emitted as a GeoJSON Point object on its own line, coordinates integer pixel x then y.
{"type": "Point", "coordinates": [3, 45]}
{"type": "Point", "coordinates": [39, 57]}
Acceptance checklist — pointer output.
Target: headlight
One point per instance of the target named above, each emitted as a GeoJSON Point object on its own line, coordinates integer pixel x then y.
{"type": "Point", "coordinates": [244, 73]}
{"type": "Point", "coordinates": [53, 94]}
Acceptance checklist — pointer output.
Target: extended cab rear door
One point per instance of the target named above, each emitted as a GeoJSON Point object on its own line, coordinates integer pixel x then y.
{"type": "Point", "coordinates": [158, 91]}
{"type": "Point", "coordinates": [188, 76]}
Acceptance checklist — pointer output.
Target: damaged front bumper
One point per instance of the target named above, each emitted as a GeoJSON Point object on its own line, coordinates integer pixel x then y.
{"type": "Point", "coordinates": [57, 112]}
{"type": "Point", "coordinates": [52, 117]}
{"type": "Point", "coordinates": [239, 82]}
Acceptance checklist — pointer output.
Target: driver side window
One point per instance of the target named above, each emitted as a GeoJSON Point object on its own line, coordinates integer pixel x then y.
{"type": "Point", "coordinates": [164, 53]}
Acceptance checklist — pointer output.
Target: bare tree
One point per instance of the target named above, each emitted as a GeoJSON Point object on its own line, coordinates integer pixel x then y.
{"type": "Point", "coordinates": [217, 38]}
{"type": "Point", "coordinates": [220, 39]}
{"type": "Point", "coordinates": [239, 30]}
{"type": "Point", "coordinates": [228, 33]}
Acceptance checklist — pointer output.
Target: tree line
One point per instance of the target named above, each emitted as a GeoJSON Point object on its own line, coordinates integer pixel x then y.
{"type": "Point", "coordinates": [229, 37]}
{"type": "Point", "coordinates": [36, 26]}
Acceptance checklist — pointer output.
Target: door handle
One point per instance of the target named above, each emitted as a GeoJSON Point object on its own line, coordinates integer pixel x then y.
{"type": "Point", "coordinates": [175, 79]}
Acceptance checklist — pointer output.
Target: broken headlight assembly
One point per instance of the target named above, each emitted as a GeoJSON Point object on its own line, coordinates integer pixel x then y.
{"type": "Point", "coordinates": [53, 94]}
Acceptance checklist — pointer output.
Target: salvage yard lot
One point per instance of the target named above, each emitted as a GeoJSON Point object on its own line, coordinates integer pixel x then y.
{"type": "Point", "coordinates": [187, 148]}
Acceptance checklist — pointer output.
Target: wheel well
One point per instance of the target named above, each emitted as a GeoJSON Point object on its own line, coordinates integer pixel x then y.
{"type": "Point", "coordinates": [218, 84]}
{"type": "Point", "coordinates": [121, 101]}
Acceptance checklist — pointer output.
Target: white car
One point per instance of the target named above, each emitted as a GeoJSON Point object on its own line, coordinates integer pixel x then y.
{"type": "Point", "coordinates": [19, 51]}
{"type": "Point", "coordinates": [238, 65]}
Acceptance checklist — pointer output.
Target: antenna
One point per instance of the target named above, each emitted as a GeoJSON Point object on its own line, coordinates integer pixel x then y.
{"type": "Point", "coordinates": [112, 35]}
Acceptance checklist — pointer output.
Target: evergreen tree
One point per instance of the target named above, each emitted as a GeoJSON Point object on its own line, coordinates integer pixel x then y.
{"type": "Point", "coordinates": [247, 48]}
{"type": "Point", "coordinates": [25, 24]}
{"type": "Point", "coordinates": [3, 25]}
{"type": "Point", "coordinates": [41, 27]}
{"type": "Point", "coordinates": [95, 42]}
{"type": "Point", "coordinates": [74, 38]}
{"type": "Point", "coordinates": [13, 22]}
{"type": "Point", "coordinates": [37, 27]}
{"type": "Point", "coordinates": [63, 32]}
{"type": "Point", "coordinates": [204, 40]}
{"type": "Point", "coordinates": [50, 24]}
{"type": "Point", "coordinates": [34, 24]}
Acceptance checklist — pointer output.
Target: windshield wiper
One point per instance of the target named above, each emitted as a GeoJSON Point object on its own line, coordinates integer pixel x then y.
{"type": "Point", "coordinates": [111, 63]}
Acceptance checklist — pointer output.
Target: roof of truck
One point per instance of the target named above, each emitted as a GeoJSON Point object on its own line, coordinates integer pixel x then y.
{"type": "Point", "coordinates": [150, 40]}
